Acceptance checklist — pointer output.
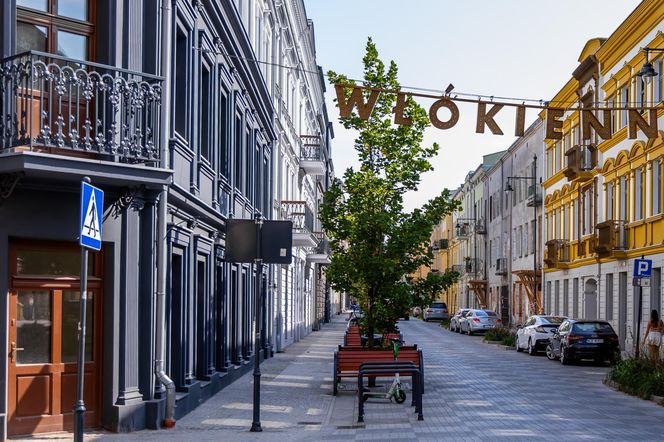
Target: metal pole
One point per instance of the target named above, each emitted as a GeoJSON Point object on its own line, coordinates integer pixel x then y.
{"type": "Point", "coordinates": [79, 408]}
{"type": "Point", "coordinates": [256, 424]}
{"type": "Point", "coordinates": [638, 322]}
{"type": "Point", "coordinates": [638, 318]}
{"type": "Point", "coordinates": [535, 234]}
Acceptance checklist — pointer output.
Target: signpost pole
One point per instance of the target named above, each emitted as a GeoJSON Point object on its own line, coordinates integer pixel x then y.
{"type": "Point", "coordinates": [638, 318]}
{"type": "Point", "coordinates": [256, 424]}
{"type": "Point", "coordinates": [638, 322]}
{"type": "Point", "coordinates": [79, 408]}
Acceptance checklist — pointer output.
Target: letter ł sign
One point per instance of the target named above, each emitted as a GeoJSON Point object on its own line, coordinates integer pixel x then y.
{"type": "Point", "coordinates": [92, 205]}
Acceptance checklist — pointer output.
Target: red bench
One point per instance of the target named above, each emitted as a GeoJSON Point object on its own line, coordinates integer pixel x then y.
{"type": "Point", "coordinates": [347, 361]}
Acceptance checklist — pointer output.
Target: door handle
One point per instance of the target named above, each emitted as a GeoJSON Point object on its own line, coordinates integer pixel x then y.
{"type": "Point", "coordinates": [12, 352]}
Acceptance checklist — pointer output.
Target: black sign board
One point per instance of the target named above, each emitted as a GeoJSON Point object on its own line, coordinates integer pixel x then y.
{"type": "Point", "coordinates": [276, 241]}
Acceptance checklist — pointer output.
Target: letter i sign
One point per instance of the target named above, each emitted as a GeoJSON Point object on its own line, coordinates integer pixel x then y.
{"type": "Point", "coordinates": [92, 205]}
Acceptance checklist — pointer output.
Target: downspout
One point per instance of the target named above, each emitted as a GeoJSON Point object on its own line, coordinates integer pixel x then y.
{"type": "Point", "coordinates": [160, 348]}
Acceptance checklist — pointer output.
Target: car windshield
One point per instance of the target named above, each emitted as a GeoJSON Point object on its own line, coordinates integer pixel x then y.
{"type": "Point", "coordinates": [485, 313]}
{"type": "Point", "coordinates": [552, 320]}
{"type": "Point", "coordinates": [591, 327]}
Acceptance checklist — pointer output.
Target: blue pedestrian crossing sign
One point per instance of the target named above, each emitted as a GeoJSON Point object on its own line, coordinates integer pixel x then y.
{"type": "Point", "coordinates": [642, 268]}
{"type": "Point", "coordinates": [92, 205]}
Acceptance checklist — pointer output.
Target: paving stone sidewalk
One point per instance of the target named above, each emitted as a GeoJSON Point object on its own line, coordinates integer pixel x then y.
{"type": "Point", "coordinates": [474, 392]}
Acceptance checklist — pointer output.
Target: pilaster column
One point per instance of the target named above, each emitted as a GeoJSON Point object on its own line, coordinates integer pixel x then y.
{"type": "Point", "coordinates": [129, 288]}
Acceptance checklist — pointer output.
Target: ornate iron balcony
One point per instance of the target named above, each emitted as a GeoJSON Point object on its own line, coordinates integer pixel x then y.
{"type": "Point", "coordinates": [300, 214]}
{"type": "Point", "coordinates": [56, 104]}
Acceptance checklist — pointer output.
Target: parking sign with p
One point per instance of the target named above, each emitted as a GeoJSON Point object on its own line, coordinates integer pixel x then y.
{"type": "Point", "coordinates": [642, 268]}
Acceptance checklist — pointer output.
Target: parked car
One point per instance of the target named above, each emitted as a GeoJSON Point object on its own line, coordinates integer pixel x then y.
{"type": "Point", "coordinates": [535, 332]}
{"type": "Point", "coordinates": [455, 325]}
{"type": "Point", "coordinates": [578, 339]}
{"type": "Point", "coordinates": [437, 310]}
{"type": "Point", "coordinates": [479, 321]}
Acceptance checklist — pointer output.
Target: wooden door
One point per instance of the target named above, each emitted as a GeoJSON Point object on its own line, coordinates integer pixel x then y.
{"type": "Point", "coordinates": [43, 351]}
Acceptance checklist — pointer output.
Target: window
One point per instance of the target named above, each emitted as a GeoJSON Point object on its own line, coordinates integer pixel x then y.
{"type": "Point", "coordinates": [206, 113]}
{"type": "Point", "coordinates": [609, 296]}
{"type": "Point", "coordinates": [658, 81]}
{"type": "Point", "coordinates": [59, 27]}
{"type": "Point", "coordinates": [224, 142]}
{"type": "Point", "coordinates": [575, 297]}
{"type": "Point", "coordinates": [180, 70]}
{"type": "Point", "coordinates": [565, 297]}
{"type": "Point", "coordinates": [556, 307]}
{"type": "Point", "coordinates": [565, 223]}
{"type": "Point", "coordinates": [238, 152]}
{"type": "Point", "coordinates": [558, 152]}
{"type": "Point", "coordinates": [640, 93]}
{"type": "Point", "coordinates": [624, 102]}
{"type": "Point", "coordinates": [609, 201]}
{"type": "Point", "coordinates": [575, 219]}
{"type": "Point", "coordinates": [656, 187]}
{"type": "Point", "coordinates": [638, 194]}
{"type": "Point", "coordinates": [611, 103]}
{"type": "Point", "coordinates": [623, 198]}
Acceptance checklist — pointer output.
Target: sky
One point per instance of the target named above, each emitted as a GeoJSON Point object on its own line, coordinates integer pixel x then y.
{"type": "Point", "coordinates": [511, 48]}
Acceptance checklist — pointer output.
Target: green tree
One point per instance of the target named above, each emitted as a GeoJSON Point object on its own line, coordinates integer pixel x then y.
{"type": "Point", "coordinates": [376, 244]}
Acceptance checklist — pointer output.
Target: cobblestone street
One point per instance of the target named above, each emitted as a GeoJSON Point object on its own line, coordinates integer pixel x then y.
{"type": "Point", "coordinates": [474, 391]}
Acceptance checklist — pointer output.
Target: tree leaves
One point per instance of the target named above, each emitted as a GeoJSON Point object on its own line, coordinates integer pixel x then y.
{"type": "Point", "coordinates": [375, 243]}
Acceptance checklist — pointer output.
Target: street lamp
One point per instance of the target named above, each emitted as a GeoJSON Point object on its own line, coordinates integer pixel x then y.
{"type": "Point", "coordinates": [648, 71]}
{"type": "Point", "coordinates": [509, 188]}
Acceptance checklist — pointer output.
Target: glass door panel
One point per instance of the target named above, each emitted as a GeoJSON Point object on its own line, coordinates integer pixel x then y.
{"type": "Point", "coordinates": [33, 327]}
{"type": "Point", "coordinates": [70, 321]}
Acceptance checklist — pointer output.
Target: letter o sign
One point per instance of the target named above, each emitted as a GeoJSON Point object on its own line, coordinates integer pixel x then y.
{"type": "Point", "coordinates": [433, 113]}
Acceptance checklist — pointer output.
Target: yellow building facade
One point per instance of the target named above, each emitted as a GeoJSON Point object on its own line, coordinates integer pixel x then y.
{"type": "Point", "coordinates": [604, 198]}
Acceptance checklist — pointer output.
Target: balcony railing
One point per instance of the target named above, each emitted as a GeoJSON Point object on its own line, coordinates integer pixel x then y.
{"type": "Point", "coordinates": [320, 254]}
{"type": "Point", "coordinates": [501, 266]}
{"type": "Point", "coordinates": [480, 227]}
{"type": "Point", "coordinates": [311, 149]}
{"type": "Point", "coordinates": [534, 196]}
{"type": "Point", "coordinates": [463, 230]}
{"type": "Point", "coordinates": [611, 238]}
{"type": "Point", "coordinates": [557, 253]}
{"type": "Point", "coordinates": [471, 266]}
{"type": "Point", "coordinates": [581, 160]}
{"type": "Point", "coordinates": [53, 103]}
{"type": "Point", "coordinates": [300, 214]}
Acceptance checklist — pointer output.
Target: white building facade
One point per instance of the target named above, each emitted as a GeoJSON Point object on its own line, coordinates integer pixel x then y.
{"type": "Point", "coordinates": [299, 297]}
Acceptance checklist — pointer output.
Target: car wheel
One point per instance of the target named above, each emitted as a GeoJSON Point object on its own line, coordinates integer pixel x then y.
{"type": "Point", "coordinates": [564, 360]}
{"type": "Point", "coordinates": [549, 352]}
{"type": "Point", "coordinates": [516, 343]}
{"type": "Point", "coordinates": [531, 348]}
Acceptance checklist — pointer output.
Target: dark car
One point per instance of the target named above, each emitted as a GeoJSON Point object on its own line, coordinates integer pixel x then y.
{"type": "Point", "coordinates": [578, 339]}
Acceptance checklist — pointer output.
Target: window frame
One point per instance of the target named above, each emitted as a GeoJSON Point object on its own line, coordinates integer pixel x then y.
{"type": "Point", "coordinates": [55, 23]}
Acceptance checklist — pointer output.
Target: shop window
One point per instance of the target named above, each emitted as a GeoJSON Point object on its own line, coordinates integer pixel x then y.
{"type": "Point", "coordinates": [609, 297]}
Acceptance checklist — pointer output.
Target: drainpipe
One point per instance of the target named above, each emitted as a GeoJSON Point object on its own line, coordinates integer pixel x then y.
{"type": "Point", "coordinates": [160, 348]}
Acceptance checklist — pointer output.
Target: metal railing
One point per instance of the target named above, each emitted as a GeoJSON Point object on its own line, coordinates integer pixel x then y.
{"type": "Point", "coordinates": [323, 247]}
{"type": "Point", "coordinates": [300, 214]}
{"type": "Point", "coordinates": [58, 103]}
{"type": "Point", "coordinates": [311, 148]}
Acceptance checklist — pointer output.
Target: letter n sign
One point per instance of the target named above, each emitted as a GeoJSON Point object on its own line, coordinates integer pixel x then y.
{"type": "Point", "coordinates": [92, 205]}
{"type": "Point", "coordinates": [642, 268]}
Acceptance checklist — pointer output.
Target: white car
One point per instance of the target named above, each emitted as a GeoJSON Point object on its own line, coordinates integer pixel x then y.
{"type": "Point", "coordinates": [535, 333]}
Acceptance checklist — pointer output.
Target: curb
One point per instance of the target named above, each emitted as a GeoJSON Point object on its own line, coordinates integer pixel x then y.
{"type": "Point", "coordinates": [659, 400]}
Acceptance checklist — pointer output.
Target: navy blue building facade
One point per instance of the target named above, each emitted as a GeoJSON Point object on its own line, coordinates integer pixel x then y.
{"type": "Point", "coordinates": [154, 100]}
